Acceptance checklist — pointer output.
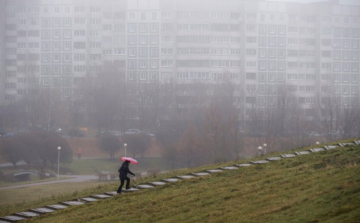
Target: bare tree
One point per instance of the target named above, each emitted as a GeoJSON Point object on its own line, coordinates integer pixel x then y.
{"type": "Point", "coordinates": [110, 144]}
{"type": "Point", "coordinates": [189, 148]}
{"type": "Point", "coordinates": [221, 125]}
{"type": "Point", "coordinates": [329, 112]}
{"type": "Point", "coordinates": [105, 96]}
{"type": "Point", "coordinates": [137, 143]}
{"type": "Point", "coordinates": [12, 150]}
{"type": "Point", "coordinates": [350, 117]}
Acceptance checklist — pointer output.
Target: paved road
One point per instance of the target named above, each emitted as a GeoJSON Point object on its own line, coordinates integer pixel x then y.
{"type": "Point", "coordinates": [74, 178]}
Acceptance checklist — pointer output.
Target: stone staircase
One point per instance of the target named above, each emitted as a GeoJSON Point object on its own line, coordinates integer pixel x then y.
{"type": "Point", "coordinates": [93, 198]}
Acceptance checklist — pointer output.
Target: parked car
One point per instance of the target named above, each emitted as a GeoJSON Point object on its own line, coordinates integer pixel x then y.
{"type": "Point", "coordinates": [9, 134]}
{"type": "Point", "coordinates": [2, 132]}
{"type": "Point", "coordinates": [149, 134]}
{"type": "Point", "coordinates": [76, 133]}
{"type": "Point", "coordinates": [107, 132]}
{"type": "Point", "coordinates": [116, 133]}
{"type": "Point", "coordinates": [132, 131]}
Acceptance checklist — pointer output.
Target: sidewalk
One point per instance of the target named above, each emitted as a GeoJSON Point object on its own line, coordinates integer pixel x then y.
{"type": "Point", "coordinates": [74, 178]}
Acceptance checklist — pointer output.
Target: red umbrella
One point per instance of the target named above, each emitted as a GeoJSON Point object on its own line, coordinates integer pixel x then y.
{"type": "Point", "coordinates": [131, 160]}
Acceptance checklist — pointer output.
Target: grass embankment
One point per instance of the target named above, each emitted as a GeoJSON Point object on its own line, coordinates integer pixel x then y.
{"type": "Point", "coordinates": [42, 194]}
{"type": "Point", "coordinates": [92, 166]}
{"type": "Point", "coordinates": [14, 200]}
{"type": "Point", "coordinates": [319, 187]}
{"type": "Point", "coordinates": [34, 179]}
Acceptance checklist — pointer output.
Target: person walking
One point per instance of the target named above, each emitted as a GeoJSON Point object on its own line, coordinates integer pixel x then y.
{"type": "Point", "coordinates": [123, 171]}
{"type": "Point", "coordinates": [79, 153]}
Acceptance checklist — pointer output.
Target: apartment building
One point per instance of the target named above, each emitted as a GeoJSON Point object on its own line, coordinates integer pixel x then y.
{"type": "Point", "coordinates": [263, 47]}
{"type": "Point", "coordinates": [2, 67]}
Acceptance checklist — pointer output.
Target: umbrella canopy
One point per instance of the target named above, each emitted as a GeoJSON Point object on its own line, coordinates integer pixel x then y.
{"type": "Point", "coordinates": [131, 160]}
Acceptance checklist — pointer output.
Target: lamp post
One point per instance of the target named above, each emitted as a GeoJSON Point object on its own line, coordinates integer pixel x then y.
{"type": "Point", "coordinates": [265, 146]}
{"type": "Point", "coordinates": [125, 145]}
{"type": "Point", "coordinates": [260, 150]}
{"type": "Point", "coordinates": [59, 148]}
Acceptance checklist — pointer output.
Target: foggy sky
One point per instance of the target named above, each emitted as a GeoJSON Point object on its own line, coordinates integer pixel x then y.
{"type": "Point", "coordinates": [343, 2]}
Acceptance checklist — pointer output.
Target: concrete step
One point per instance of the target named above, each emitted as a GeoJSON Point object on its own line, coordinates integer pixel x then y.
{"type": "Point", "coordinates": [273, 158]}
{"type": "Point", "coordinates": [171, 180]}
{"type": "Point", "coordinates": [157, 183]}
{"type": "Point", "coordinates": [331, 147]}
{"type": "Point", "coordinates": [88, 199]}
{"type": "Point", "coordinates": [111, 193]}
{"type": "Point", "coordinates": [145, 186]}
{"type": "Point", "coordinates": [302, 153]}
{"type": "Point", "coordinates": [288, 155]}
{"type": "Point", "coordinates": [72, 203]}
{"type": "Point", "coordinates": [12, 218]}
{"type": "Point", "coordinates": [346, 144]}
{"type": "Point", "coordinates": [201, 174]}
{"type": "Point", "coordinates": [56, 206]}
{"type": "Point", "coordinates": [229, 168]}
{"type": "Point", "coordinates": [186, 177]}
{"type": "Point", "coordinates": [259, 162]}
{"type": "Point", "coordinates": [100, 196]}
{"type": "Point", "coordinates": [42, 210]}
{"type": "Point", "coordinates": [316, 150]}
{"type": "Point", "coordinates": [26, 214]}
{"type": "Point", "coordinates": [214, 171]}
{"type": "Point", "coordinates": [131, 190]}
{"type": "Point", "coordinates": [243, 165]}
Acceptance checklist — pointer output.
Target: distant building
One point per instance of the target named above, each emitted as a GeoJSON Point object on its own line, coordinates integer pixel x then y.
{"type": "Point", "coordinates": [264, 47]}
{"type": "Point", "coordinates": [2, 66]}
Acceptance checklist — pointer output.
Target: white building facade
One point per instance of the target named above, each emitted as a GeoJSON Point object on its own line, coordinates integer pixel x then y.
{"type": "Point", "coordinates": [260, 46]}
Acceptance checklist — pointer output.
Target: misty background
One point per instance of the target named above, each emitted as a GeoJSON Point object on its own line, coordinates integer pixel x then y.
{"type": "Point", "coordinates": [208, 81]}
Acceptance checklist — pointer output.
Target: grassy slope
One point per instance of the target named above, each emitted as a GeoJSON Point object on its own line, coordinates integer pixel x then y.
{"type": "Point", "coordinates": [91, 166]}
{"type": "Point", "coordinates": [22, 197]}
{"type": "Point", "coordinates": [321, 187]}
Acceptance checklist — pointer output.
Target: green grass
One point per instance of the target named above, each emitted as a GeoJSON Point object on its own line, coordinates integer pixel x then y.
{"type": "Point", "coordinates": [33, 179]}
{"type": "Point", "coordinates": [319, 187]}
{"type": "Point", "coordinates": [40, 195]}
{"type": "Point", "coordinates": [91, 166]}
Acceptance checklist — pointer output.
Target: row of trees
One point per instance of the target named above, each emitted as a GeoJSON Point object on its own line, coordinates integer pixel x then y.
{"type": "Point", "coordinates": [293, 125]}
{"type": "Point", "coordinates": [137, 144]}
{"type": "Point", "coordinates": [36, 148]}
{"type": "Point", "coordinates": [218, 115]}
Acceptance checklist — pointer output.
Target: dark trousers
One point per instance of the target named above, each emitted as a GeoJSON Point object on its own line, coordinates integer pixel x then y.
{"type": "Point", "coordinates": [122, 184]}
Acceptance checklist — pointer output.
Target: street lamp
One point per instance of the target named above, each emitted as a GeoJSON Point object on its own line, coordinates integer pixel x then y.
{"type": "Point", "coordinates": [260, 150]}
{"type": "Point", "coordinates": [125, 145]}
{"type": "Point", "coordinates": [59, 148]}
{"type": "Point", "coordinates": [265, 146]}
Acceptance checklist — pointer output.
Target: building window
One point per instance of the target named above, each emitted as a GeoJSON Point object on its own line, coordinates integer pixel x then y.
{"type": "Point", "coordinates": [143, 76]}
{"type": "Point", "coordinates": [142, 64]}
{"type": "Point", "coordinates": [154, 39]}
{"type": "Point", "coordinates": [166, 63]}
{"type": "Point", "coordinates": [153, 64]}
{"type": "Point", "coordinates": [119, 51]}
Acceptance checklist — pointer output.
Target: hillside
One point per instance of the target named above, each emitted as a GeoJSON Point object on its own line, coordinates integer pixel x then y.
{"type": "Point", "coordinates": [318, 187]}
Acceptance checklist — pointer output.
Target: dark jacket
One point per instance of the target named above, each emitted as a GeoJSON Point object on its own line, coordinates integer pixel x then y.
{"type": "Point", "coordinates": [124, 170]}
